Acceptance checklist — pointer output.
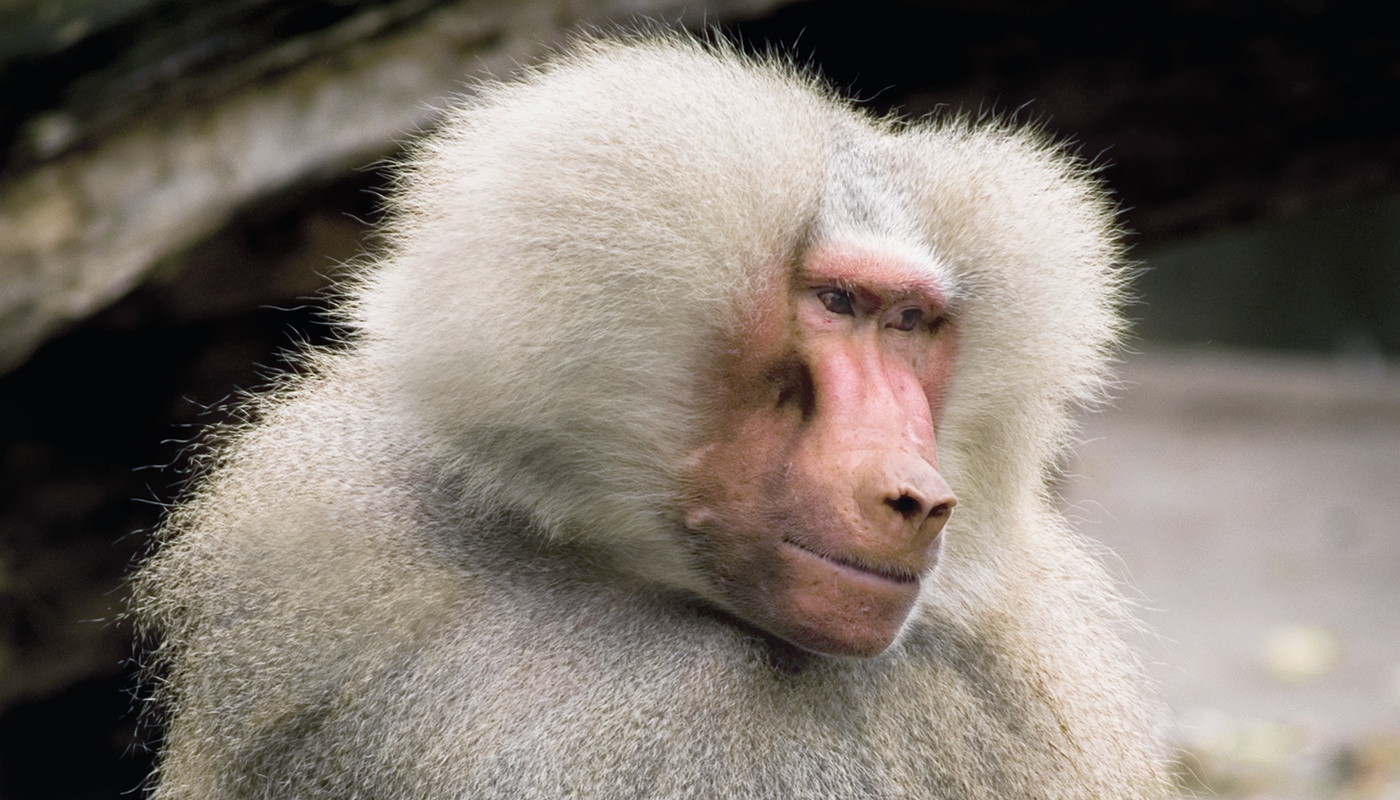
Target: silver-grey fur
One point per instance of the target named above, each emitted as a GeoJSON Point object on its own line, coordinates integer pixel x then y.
{"type": "Point", "coordinates": [446, 564]}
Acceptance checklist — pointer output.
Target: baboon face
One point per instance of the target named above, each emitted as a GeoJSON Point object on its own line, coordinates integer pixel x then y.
{"type": "Point", "coordinates": [818, 495]}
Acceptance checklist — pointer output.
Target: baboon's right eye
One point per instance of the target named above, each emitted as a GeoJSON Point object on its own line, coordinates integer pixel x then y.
{"type": "Point", "coordinates": [837, 301]}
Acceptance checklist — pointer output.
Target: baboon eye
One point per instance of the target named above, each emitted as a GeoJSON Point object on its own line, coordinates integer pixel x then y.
{"type": "Point", "coordinates": [837, 301]}
{"type": "Point", "coordinates": [908, 319]}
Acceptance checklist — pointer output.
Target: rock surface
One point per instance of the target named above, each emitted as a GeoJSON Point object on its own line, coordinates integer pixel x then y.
{"type": "Point", "coordinates": [1254, 504]}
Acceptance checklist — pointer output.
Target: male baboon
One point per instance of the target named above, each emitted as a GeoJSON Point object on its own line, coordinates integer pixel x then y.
{"type": "Point", "coordinates": [637, 475]}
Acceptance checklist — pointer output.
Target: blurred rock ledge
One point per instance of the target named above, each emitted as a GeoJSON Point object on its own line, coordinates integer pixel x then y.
{"type": "Point", "coordinates": [196, 117]}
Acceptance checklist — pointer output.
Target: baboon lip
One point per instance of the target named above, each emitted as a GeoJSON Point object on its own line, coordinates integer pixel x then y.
{"type": "Point", "coordinates": [886, 572]}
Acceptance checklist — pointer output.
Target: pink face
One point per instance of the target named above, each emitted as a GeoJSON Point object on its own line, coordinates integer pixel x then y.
{"type": "Point", "coordinates": [817, 498]}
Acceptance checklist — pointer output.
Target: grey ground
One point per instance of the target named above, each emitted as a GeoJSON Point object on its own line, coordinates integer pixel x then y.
{"type": "Point", "coordinates": [1254, 507]}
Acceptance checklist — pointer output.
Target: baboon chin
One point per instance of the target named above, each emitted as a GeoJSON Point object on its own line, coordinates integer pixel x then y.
{"type": "Point", "coordinates": [692, 439]}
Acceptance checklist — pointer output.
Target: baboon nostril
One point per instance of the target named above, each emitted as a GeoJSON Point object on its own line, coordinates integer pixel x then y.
{"type": "Point", "coordinates": [905, 506]}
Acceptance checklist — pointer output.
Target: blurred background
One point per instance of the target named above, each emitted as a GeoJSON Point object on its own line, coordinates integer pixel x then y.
{"type": "Point", "coordinates": [179, 180]}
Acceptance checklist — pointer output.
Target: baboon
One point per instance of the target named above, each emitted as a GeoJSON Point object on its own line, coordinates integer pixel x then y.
{"type": "Point", "coordinates": [694, 436]}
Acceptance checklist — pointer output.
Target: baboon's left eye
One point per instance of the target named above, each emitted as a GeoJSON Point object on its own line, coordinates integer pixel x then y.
{"type": "Point", "coordinates": [907, 320]}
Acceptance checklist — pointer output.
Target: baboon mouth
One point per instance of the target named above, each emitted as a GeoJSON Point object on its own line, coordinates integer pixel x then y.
{"type": "Point", "coordinates": [888, 572]}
